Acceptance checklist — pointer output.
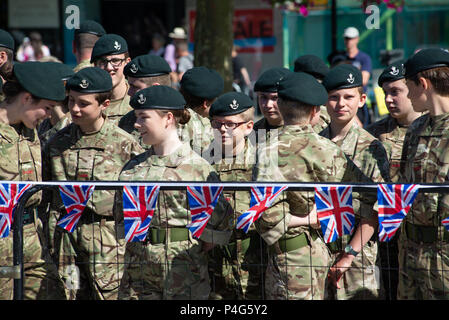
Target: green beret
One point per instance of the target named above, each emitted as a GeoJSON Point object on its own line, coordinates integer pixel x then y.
{"type": "Point", "coordinates": [230, 103]}
{"type": "Point", "coordinates": [64, 70]}
{"type": "Point", "coordinates": [302, 87]}
{"type": "Point", "coordinates": [6, 40]}
{"type": "Point", "coordinates": [202, 82]}
{"type": "Point", "coordinates": [343, 76]}
{"type": "Point", "coordinates": [269, 79]}
{"type": "Point", "coordinates": [90, 80]}
{"type": "Point", "coordinates": [158, 97]}
{"type": "Point", "coordinates": [393, 72]}
{"type": "Point", "coordinates": [108, 44]}
{"type": "Point", "coordinates": [92, 27]}
{"type": "Point", "coordinates": [312, 65]}
{"type": "Point", "coordinates": [426, 59]}
{"type": "Point", "coordinates": [40, 79]}
{"type": "Point", "coordinates": [147, 65]}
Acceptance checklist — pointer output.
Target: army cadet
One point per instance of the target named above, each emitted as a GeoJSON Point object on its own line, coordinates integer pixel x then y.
{"type": "Point", "coordinates": [360, 274]}
{"type": "Point", "coordinates": [27, 102]}
{"type": "Point", "coordinates": [239, 266]}
{"type": "Point", "coordinates": [171, 263]}
{"type": "Point", "coordinates": [91, 148]}
{"type": "Point", "coordinates": [391, 132]}
{"type": "Point", "coordinates": [200, 86]}
{"type": "Point", "coordinates": [6, 56]}
{"type": "Point", "coordinates": [316, 67]}
{"type": "Point", "coordinates": [423, 242]}
{"type": "Point", "coordinates": [289, 226]}
{"type": "Point", "coordinates": [110, 53]}
{"type": "Point", "coordinates": [84, 41]}
{"type": "Point", "coordinates": [142, 72]}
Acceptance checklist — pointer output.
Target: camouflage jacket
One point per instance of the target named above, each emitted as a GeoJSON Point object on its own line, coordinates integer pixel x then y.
{"type": "Point", "coordinates": [118, 108]}
{"type": "Point", "coordinates": [323, 121]}
{"type": "Point", "coordinates": [392, 135]}
{"type": "Point", "coordinates": [21, 156]}
{"type": "Point", "coordinates": [83, 64]}
{"type": "Point", "coordinates": [299, 155]}
{"type": "Point", "coordinates": [426, 160]}
{"type": "Point", "coordinates": [46, 130]}
{"type": "Point", "coordinates": [71, 155]}
{"type": "Point", "coordinates": [198, 132]}
{"type": "Point", "coordinates": [172, 209]}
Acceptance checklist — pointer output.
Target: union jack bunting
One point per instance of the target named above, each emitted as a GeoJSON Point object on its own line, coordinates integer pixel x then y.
{"type": "Point", "coordinates": [9, 196]}
{"type": "Point", "coordinates": [394, 203]}
{"type": "Point", "coordinates": [445, 223]}
{"type": "Point", "coordinates": [261, 199]}
{"type": "Point", "coordinates": [335, 211]}
{"type": "Point", "coordinates": [139, 203]}
{"type": "Point", "coordinates": [75, 200]}
{"type": "Point", "coordinates": [202, 201]}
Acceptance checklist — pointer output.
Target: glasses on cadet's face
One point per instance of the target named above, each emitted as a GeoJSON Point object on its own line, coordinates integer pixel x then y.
{"type": "Point", "coordinates": [228, 125]}
{"type": "Point", "coordinates": [115, 62]}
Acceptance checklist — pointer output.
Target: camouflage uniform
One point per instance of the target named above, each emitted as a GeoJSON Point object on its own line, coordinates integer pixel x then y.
{"type": "Point", "coordinates": [83, 64]}
{"type": "Point", "coordinates": [291, 158]}
{"type": "Point", "coordinates": [170, 263]}
{"type": "Point", "coordinates": [198, 132]}
{"type": "Point", "coordinates": [118, 108]}
{"type": "Point", "coordinates": [46, 130]}
{"type": "Point", "coordinates": [362, 280]}
{"type": "Point", "coordinates": [239, 266]}
{"type": "Point", "coordinates": [423, 243]}
{"type": "Point", "coordinates": [21, 161]}
{"type": "Point", "coordinates": [94, 246]}
{"type": "Point", "coordinates": [323, 121]}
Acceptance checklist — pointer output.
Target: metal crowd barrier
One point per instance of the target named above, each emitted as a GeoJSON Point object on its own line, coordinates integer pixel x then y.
{"type": "Point", "coordinates": [17, 270]}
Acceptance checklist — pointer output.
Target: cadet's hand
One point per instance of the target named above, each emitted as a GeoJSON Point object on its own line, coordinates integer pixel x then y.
{"type": "Point", "coordinates": [207, 246]}
{"type": "Point", "coordinates": [339, 268]}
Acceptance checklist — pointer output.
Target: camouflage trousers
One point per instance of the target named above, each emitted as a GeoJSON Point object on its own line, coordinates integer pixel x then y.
{"type": "Point", "coordinates": [168, 271]}
{"type": "Point", "coordinates": [91, 260]}
{"type": "Point", "coordinates": [41, 280]}
{"type": "Point", "coordinates": [299, 274]}
{"type": "Point", "coordinates": [423, 270]}
{"type": "Point", "coordinates": [362, 281]}
{"type": "Point", "coordinates": [237, 270]}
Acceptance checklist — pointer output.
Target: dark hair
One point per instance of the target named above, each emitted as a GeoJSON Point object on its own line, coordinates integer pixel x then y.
{"type": "Point", "coordinates": [103, 96]}
{"type": "Point", "coordinates": [163, 80]}
{"type": "Point", "coordinates": [181, 116]}
{"type": "Point", "coordinates": [36, 43]}
{"type": "Point", "coordinates": [12, 88]}
{"type": "Point", "coordinates": [194, 101]}
{"type": "Point", "coordinates": [438, 77]}
{"type": "Point", "coordinates": [6, 68]}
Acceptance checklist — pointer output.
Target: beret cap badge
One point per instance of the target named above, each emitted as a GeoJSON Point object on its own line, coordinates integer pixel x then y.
{"type": "Point", "coordinates": [117, 46]}
{"type": "Point", "coordinates": [84, 84]}
{"type": "Point", "coordinates": [394, 71]}
{"type": "Point", "coordinates": [234, 105]}
{"type": "Point", "coordinates": [142, 99]}
{"type": "Point", "coordinates": [351, 78]}
{"type": "Point", "coordinates": [133, 68]}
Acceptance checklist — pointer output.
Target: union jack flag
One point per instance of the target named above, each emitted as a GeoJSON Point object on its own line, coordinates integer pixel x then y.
{"type": "Point", "coordinates": [75, 200]}
{"type": "Point", "coordinates": [394, 203]}
{"type": "Point", "coordinates": [139, 203]}
{"type": "Point", "coordinates": [261, 199]}
{"type": "Point", "coordinates": [335, 211]}
{"type": "Point", "coordinates": [9, 196]}
{"type": "Point", "coordinates": [202, 201]}
{"type": "Point", "coordinates": [445, 223]}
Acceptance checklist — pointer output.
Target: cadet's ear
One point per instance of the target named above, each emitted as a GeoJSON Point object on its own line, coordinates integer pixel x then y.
{"type": "Point", "coordinates": [362, 100]}
{"type": "Point", "coordinates": [105, 104]}
{"type": "Point", "coordinates": [424, 83]}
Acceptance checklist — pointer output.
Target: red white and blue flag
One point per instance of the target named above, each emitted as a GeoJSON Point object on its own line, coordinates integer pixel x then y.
{"type": "Point", "coordinates": [445, 223]}
{"type": "Point", "coordinates": [261, 199]}
{"type": "Point", "coordinates": [394, 201]}
{"type": "Point", "coordinates": [9, 197]}
{"type": "Point", "coordinates": [335, 211]}
{"type": "Point", "coordinates": [202, 201]}
{"type": "Point", "coordinates": [75, 200]}
{"type": "Point", "coordinates": [139, 203]}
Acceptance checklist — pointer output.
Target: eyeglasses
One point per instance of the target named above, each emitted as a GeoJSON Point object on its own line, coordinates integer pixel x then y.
{"type": "Point", "coordinates": [228, 125]}
{"type": "Point", "coordinates": [115, 62]}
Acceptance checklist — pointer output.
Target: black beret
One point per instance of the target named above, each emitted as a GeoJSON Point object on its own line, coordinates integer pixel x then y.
{"type": "Point", "coordinates": [202, 82]}
{"type": "Point", "coordinates": [92, 27]}
{"type": "Point", "coordinates": [64, 70]}
{"type": "Point", "coordinates": [158, 97]}
{"type": "Point", "coordinates": [269, 79]}
{"type": "Point", "coordinates": [426, 59]}
{"type": "Point", "coordinates": [302, 87]}
{"type": "Point", "coordinates": [312, 65]}
{"type": "Point", "coordinates": [393, 72]}
{"type": "Point", "coordinates": [40, 79]}
{"type": "Point", "coordinates": [109, 44]}
{"type": "Point", "coordinates": [343, 76]}
{"type": "Point", "coordinates": [90, 80]}
{"type": "Point", "coordinates": [230, 103]}
{"type": "Point", "coordinates": [6, 40]}
{"type": "Point", "coordinates": [147, 65]}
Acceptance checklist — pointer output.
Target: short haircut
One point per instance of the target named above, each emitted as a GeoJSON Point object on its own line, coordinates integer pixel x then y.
{"type": "Point", "coordinates": [438, 77]}
{"type": "Point", "coordinates": [247, 115]}
{"type": "Point", "coordinates": [103, 96]}
{"type": "Point", "coordinates": [163, 80]}
{"type": "Point", "coordinates": [84, 41]}
{"type": "Point", "coordinates": [295, 111]}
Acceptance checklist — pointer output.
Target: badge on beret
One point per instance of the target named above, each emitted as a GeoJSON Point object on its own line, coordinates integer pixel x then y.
{"type": "Point", "coordinates": [84, 84]}
{"type": "Point", "coordinates": [351, 78]}
{"type": "Point", "coordinates": [234, 105]}
{"type": "Point", "coordinates": [133, 68]}
{"type": "Point", "coordinates": [117, 46]}
{"type": "Point", "coordinates": [394, 71]}
{"type": "Point", "coordinates": [142, 99]}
